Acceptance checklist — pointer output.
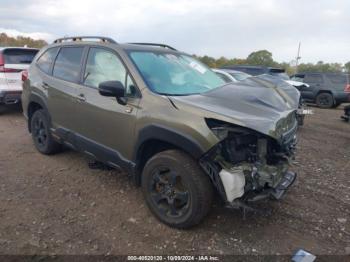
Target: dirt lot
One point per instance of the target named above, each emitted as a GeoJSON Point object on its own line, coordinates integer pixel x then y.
{"type": "Point", "coordinates": [57, 205]}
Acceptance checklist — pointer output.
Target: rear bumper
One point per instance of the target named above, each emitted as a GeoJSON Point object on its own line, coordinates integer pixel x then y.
{"type": "Point", "coordinates": [10, 97]}
{"type": "Point", "coordinates": [342, 97]}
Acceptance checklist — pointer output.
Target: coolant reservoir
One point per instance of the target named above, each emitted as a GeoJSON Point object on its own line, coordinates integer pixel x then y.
{"type": "Point", "coordinates": [234, 182]}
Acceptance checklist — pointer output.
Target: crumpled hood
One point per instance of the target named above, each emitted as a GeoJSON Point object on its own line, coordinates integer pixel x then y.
{"type": "Point", "coordinates": [250, 104]}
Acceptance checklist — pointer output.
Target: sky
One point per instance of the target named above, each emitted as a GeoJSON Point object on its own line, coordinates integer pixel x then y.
{"type": "Point", "coordinates": [230, 28]}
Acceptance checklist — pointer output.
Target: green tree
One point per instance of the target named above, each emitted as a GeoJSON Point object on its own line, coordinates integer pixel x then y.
{"type": "Point", "coordinates": [6, 40]}
{"type": "Point", "coordinates": [261, 57]}
{"type": "Point", "coordinates": [347, 67]}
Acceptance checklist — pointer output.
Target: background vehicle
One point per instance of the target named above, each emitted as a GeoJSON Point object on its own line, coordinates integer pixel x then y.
{"type": "Point", "coordinates": [259, 70]}
{"type": "Point", "coordinates": [325, 89]}
{"type": "Point", "coordinates": [224, 75]}
{"type": "Point", "coordinates": [13, 60]}
{"type": "Point", "coordinates": [167, 119]}
{"type": "Point", "coordinates": [229, 75]}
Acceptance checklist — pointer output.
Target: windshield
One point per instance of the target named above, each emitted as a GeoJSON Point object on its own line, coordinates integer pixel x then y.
{"type": "Point", "coordinates": [174, 74]}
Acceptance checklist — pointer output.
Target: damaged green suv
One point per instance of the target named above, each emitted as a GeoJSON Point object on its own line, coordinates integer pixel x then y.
{"type": "Point", "coordinates": [165, 118]}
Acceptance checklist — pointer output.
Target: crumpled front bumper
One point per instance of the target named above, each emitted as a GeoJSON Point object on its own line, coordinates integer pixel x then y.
{"type": "Point", "coordinates": [276, 192]}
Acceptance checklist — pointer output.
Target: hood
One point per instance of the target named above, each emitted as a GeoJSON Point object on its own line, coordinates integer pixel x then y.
{"type": "Point", "coordinates": [256, 106]}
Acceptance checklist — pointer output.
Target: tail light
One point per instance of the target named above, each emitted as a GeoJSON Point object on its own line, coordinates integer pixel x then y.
{"type": "Point", "coordinates": [24, 75]}
{"type": "Point", "coordinates": [2, 66]}
{"type": "Point", "coordinates": [347, 89]}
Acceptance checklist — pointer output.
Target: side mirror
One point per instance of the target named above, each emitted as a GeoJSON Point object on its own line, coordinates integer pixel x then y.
{"type": "Point", "coordinates": [113, 89]}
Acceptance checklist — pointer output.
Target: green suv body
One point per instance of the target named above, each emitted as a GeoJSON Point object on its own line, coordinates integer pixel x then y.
{"type": "Point", "coordinates": [165, 118]}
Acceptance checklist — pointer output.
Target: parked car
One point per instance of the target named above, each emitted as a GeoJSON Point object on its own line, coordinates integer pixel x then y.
{"type": "Point", "coordinates": [165, 118]}
{"type": "Point", "coordinates": [259, 70]}
{"type": "Point", "coordinates": [229, 75]}
{"type": "Point", "coordinates": [325, 89]}
{"type": "Point", "coordinates": [13, 60]}
{"type": "Point", "coordinates": [262, 70]}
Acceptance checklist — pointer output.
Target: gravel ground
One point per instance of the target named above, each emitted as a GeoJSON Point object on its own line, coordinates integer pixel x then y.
{"type": "Point", "coordinates": [57, 205]}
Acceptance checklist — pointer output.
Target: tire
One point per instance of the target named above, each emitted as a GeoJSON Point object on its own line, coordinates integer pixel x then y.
{"type": "Point", "coordinates": [176, 190]}
{"type": "Point", "coordinates": [336, 105]}
{"type": "Point", "coordinates": [325, 100]}
{"type": "Point", "coordinates": [300, 119]}
{"type": "Point", "coordinates": [41, 134]}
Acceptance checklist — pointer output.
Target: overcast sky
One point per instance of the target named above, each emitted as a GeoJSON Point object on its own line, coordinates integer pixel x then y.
{"type": "Point", "coordinates": [231, 28]}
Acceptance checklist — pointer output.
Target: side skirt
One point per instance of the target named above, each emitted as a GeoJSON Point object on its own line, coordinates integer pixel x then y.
{"type": "Point", "coordinates": [93, 149]}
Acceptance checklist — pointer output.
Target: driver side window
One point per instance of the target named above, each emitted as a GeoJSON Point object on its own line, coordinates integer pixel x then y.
{"type": "Point", "coordinates": [102, 66]}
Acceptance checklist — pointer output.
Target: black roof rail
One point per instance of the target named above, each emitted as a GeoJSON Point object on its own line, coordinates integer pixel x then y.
{"type": "Point", "coordinates": [155, 44]}
{"type": "Point", "coordinates": [80, 38]}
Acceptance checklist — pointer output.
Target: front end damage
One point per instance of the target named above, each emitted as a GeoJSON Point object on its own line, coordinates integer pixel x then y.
{"type": "Point", "coordinates": [247, 166]}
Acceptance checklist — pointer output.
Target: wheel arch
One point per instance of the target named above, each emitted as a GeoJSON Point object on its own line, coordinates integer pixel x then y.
{"type": "Point", "coordinates": [36, 103]}
{"type": "Point", "coordinates": [154, 139]}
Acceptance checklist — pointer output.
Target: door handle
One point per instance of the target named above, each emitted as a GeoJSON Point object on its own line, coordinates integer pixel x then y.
{"type": "Point", "coordinates": [81, 98]}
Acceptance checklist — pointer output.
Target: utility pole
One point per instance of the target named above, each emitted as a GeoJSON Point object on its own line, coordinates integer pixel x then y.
{"type": "Point", "coordinates": [297, 58]}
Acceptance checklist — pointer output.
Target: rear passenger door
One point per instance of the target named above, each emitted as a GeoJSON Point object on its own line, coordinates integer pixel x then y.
{"type": "Point", "coordinates": [63, 89]}
{"type": "Point", "coordinates": [106, 127]}
{"type": "Point", "coordinates": [316, 83]}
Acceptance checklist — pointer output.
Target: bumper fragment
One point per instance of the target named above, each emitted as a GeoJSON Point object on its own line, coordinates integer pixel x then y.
{"type": "Point", "coordinates": [276, 192]}
{"type": "Point", "coordinates": [10, 97]}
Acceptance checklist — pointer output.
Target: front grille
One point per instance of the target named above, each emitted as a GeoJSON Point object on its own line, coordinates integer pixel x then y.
{"type": "Point", "coordinates": [286, 131]}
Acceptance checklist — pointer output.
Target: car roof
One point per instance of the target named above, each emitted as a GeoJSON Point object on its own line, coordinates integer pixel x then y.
{"type": "Point", "coordinates": [124, 46]}
{"type": "Point", "coordinates": [233, 71]}
{"type": "Point", "coordinates": [19, 47]}
{"type": "Point", "coordinates": [252, 66]}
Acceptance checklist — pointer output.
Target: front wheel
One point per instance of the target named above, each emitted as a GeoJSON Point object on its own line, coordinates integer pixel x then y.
{"type": "Point", "coordinates": [325, 100]}
{"type": "Point", "coordinates": [41, 134]}
{"type": "Point", "coordinates": [176, 189]}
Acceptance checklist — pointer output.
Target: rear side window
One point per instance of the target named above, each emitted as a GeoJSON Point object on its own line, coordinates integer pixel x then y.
{"type": "Point", "coordinates": [317, 79]}
{"type": "Point", "coordinates": [67, 64]}
{"type": "Point", "coordinates": [45, 60]}
{"type": "Point", "coordinates": [19, 56]}
{"type": "Point", "coordinates": [337, 79]}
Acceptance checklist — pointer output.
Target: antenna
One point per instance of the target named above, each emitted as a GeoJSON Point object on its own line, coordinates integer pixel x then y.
{"type": "Point", "coordinates": [297, 58]}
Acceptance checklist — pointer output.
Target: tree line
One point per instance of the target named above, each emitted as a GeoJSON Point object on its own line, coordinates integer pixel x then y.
{"type": "Point", "coordinates": [20, 41]}
{"type": "Point", "coordinates": [264, 58]}
{"type": "Point", "coordinates": [261, 57]}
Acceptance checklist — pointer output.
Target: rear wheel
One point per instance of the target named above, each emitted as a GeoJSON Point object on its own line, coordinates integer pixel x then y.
{"type": "Point", "coordinates": [176, 190]}
{"type": "Point", "coordinates": [325, 100]}
{"type": "Point", "coordinates": [41, 134]}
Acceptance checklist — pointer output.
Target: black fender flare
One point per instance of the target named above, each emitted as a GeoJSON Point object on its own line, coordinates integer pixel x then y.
{"type": "Point", "coordinates": [168, 135]}
{"type": "Point", "coordinates": [34, 98]}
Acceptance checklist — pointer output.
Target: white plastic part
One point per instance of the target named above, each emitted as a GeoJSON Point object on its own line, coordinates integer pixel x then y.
{"type": "Point", "coordinates": [234, 182]}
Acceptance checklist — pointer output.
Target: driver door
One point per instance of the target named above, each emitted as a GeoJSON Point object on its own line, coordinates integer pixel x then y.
{"type": "Point", "coordinates": [106, 126]}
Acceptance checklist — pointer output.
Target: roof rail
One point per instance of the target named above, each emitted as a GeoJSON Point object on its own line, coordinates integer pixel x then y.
{"type": "Point", "coordinates": [80, 38]}
{"type": "Point", "coordinates": [155, 44]}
